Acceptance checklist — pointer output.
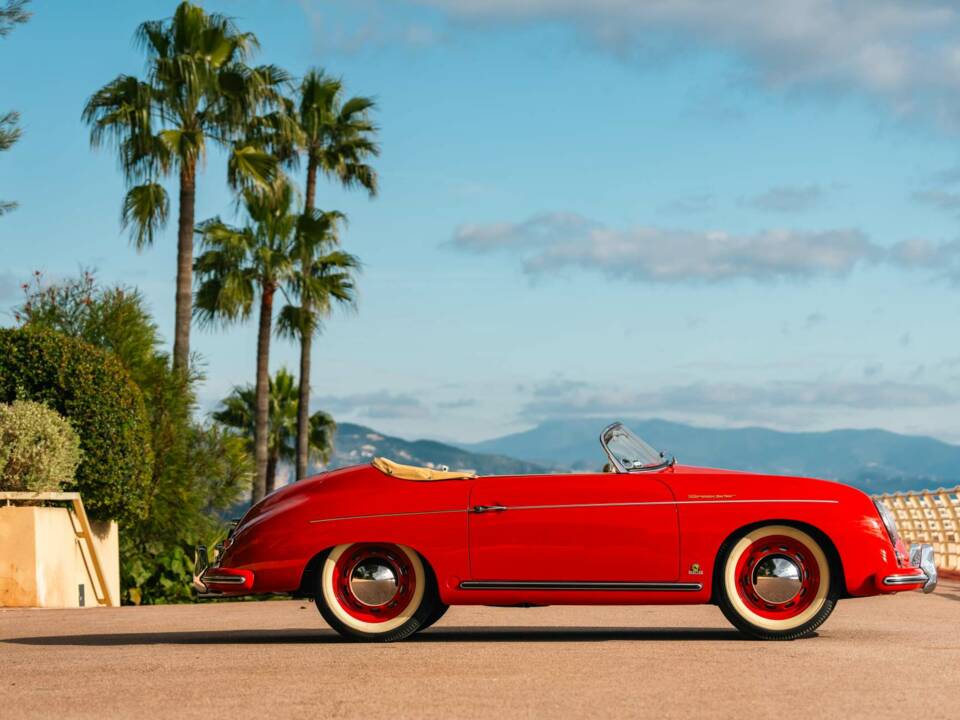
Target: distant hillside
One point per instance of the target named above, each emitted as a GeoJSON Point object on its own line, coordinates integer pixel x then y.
{"type": "Point", "coordinates": [874, 460]}
{"type": "Point", "coordinates": [356, 444]}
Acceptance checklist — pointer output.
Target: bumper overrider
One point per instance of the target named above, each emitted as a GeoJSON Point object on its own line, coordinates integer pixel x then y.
{"type": "Point", "coordinates": [922, 572]}
{"type": "Point", "coordinates": [211, 580]}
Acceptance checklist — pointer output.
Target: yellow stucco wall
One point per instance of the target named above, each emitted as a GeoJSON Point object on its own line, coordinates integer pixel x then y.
{"type": "Point", "coordinates": [43, 563]}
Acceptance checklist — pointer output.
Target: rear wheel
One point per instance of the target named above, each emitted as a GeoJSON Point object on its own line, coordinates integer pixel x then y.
{"type": "Point", "coordinates": [774, 583]}
{"type": "Point", "coordinates": [375, 591]}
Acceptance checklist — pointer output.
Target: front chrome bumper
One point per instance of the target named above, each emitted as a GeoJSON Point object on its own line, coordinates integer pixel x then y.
{"type": "Point", "coordinates": [923, 560]}
{"type": "Point", "coordinates": [201, 561]}
{"type": "Point", "coordinates": [214, 580]}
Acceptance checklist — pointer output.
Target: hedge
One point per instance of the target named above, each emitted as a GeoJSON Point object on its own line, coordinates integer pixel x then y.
{"type": "Point", "coordinates": [93, 391]}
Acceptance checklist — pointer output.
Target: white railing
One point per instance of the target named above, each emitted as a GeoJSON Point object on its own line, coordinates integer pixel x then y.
{"type": "Point", "coordinates": [929, 516]}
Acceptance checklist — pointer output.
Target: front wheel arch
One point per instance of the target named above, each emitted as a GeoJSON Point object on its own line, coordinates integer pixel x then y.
{"type": "Point", "coordinates": [830, 549]}
{"type": "Point", "coordinates": [308, 578]}
{"type": "Point", "coordinates": [376, 591]}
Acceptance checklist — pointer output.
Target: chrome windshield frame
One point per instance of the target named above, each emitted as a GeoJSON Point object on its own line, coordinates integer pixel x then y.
{"type": "Point", "coordinates": [607, 434]}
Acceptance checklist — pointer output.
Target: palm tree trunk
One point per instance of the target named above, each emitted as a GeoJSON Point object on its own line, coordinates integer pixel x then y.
{"type": "Point", "coordinates": [311, 183]}
{"type": "Point", "coordinates": [261, 414]}
{"type": "Point", "coordinates": [271, 473]}
{"type": "Point", "coordinates": [184, 300]}
{"type": "Point", "coordinates": [306, 347]}
{"type": "Point", "coordinates": [303, 403]}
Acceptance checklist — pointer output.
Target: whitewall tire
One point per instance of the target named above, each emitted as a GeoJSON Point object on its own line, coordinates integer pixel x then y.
{"type": "Point", "coordinates": [775, 582]}
{"type": "Point", "coordinates": [375, 591]}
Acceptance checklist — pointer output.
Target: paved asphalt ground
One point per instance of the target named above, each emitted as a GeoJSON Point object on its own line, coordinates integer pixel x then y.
{"type": "Point", "coordinates": [878, 657]}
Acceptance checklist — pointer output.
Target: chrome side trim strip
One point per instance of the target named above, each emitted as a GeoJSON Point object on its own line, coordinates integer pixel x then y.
{"type": "Point", "coordinates": [547, 585]}
{"type": "Point", "coordinates": [574, 505]}
{"type": "Point", "coordinates": [657, 502]}
{"type": "Point", "coordinates": [388, 515]}
{"type": "Point", "coordinates": [905, 579]}
{"type": "Point", "coordinates": [772, 500]}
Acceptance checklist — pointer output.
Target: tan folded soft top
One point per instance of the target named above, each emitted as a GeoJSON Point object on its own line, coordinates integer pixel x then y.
{"type": "Point", "coordinates": [412, 472]}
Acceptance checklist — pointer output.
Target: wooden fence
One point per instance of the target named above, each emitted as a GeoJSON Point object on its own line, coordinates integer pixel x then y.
{"type": "Point", "coordinates": [929, 516]}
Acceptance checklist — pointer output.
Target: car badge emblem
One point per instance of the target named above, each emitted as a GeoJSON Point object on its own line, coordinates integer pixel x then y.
{"type": "Point", "coordinates": [695, 569]}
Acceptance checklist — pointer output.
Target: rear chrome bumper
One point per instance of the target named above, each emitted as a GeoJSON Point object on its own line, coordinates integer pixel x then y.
{"type": "Point", "coordinates": [213, 580]}
{"type": "Point", "coordinates": [924, 571]}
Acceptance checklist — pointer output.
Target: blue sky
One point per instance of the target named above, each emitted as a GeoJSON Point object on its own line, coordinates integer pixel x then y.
{"type": "Point", "coordinates": [715, 212]}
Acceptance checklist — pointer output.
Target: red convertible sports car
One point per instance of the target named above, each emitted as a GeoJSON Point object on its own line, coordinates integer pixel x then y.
{"type": "Point", "coordinates": [385, 549]}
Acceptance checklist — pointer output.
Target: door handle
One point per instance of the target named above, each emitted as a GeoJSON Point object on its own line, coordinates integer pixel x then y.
{"type": "Point", "coordinates": [488, 508]}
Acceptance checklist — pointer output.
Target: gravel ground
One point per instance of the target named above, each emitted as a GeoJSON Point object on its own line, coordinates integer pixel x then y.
{"type": "Point", "coordinates": [877, 657]}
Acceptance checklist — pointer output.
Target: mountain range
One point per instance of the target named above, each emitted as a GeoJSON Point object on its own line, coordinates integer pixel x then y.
{"type": "Point", "coordinates": [357, 444]}
{"type": "Point", "coordinates": [874, 460]}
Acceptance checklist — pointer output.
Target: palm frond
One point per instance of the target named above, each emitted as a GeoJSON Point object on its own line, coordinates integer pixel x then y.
{"type": "Point", "coordinates": [13, 13]}
{"type": "Point", "coordinates": [121, 109]}
{"type": "Point", "coordinates": [226, 280]}
{"type": "Point", "coordinates": [237, 410]}
{"type": "Point", "coordinates": [196, 89]}
{"type": "Point", "coordinates": [354, 107]}
{"type": "Point", "coordinates": [323, 430]}
{"type": "Point", "coordinates": [295, 322]}
{"type": "Point", "coordinates": [154, 38]}
{"type": "Point", "coordinates": [145, 211]}
{"type": "Point", "coordinates": [249, 166]}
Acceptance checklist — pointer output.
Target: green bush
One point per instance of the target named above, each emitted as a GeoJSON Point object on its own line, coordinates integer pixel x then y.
{"type": "Point", "coordinates": [39, 450]}
{"type": "Point", "coordinates": [92, 390]}
{"type": "Point", "coordinates": [199, 471]}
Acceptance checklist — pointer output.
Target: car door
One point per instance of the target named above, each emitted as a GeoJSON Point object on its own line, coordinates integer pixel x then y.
{"type": "Point", "coordinates": [587, 527]}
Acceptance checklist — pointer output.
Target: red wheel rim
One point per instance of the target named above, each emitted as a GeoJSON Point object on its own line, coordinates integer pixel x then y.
{"type": "Point", "coordinates": [759, 590]}
{"type": "Point", "coordinates": [385, 565]}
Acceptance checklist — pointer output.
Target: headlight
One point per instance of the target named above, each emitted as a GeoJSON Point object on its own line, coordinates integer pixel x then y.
{"type": "Point", "coordinates": [890, 523]}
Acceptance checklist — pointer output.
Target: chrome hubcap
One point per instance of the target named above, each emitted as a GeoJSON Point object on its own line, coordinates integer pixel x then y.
{"type": "Point", "coordinates": [373, 582]}
{"type": "Point", "coordinates": [777, 579]}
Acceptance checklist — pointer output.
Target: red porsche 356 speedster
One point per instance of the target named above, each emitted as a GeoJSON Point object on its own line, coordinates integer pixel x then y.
{"type": "Point", "coordinates": [385, 549]}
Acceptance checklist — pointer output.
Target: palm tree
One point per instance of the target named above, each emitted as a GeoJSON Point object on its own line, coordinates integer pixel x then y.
{"type": "Point", "coordinates": [238, 410]}
{"type": "Point", "coordinates": [324, 277]}
{"type": "Point", "coordinates": [12, 13]}
{"type": "Point", "coordinates": [337, 138]}
{"type": "Point", "coordinates": [197, 89]}
{"type": "Point", "coordinates": [237, 265]}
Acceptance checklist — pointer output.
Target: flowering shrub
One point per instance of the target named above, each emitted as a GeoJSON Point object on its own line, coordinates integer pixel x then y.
{"type": "Point", "coordinates": [39, 449]}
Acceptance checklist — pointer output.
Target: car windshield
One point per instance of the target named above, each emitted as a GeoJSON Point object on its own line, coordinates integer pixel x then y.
{"type": "Point", "coordinates": [628, 452]}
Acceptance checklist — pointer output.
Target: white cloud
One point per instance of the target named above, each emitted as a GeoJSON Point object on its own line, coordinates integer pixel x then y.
{"type": "Point", "coordinates": [382, 405]}
{"type": "Point", "coordinates": [787, 199]}
{"type": "Point", "coordinates": [940, 258]}
{"type": "Point", "coordinates": [905, 52]}
{"type": "Point", "coordinates": [552, 241]}
{"type": "Point", "coordinates": [370, 26]}
{"type": "Point", "coordinates": [688, 205]}
{"type": "Point", "coordinates": [459, 404]}
{"type": "Point", "coordinates": [941, 199]}
{"type": "Point", "coordinates": [814, 319]}
{"type": "Point", "coordinates": [736, 401]}
{"type": "Point", "coordinates": [10, 287]}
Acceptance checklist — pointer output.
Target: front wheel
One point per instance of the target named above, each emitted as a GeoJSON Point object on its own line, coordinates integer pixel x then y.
{"type": "Point", "coordinates": [439, 610]}
{"type": "Point", "coordinates": [375, 592]}
{"type": "Point", "coordinates": [774, 583]}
